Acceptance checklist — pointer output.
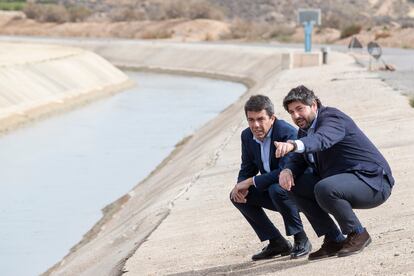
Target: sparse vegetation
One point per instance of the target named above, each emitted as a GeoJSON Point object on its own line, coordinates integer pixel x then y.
{"type": "Point", "coordinates": [412, 101]}
{"type": "Point", "coordinates": [381, 20]}
{"type": "Point", "coordinates": [253, 31]}
{"type": "Point", "coordinates": [407, 23]}
{"type": "Point", "coordinates": [331, 21]}
{"type": "Point", "coordinates": [193, 9]}
{"type": "Point", "coordinates": [56, 12]}
{"type": "Point", "coordinates": [157, 34]}
{"type": "Point", "coordinates": [127, 13]}
{"type": "Point", "coordinates": [47, 12]}
{"type": "Point", "coordinates": [172, 9]}
{"type": "Point", "coordinates": [351, 30]}
{"type": "Point", "coordinates": [380, 35]}
{"type": "Point", "coordinates": [201, 9]}
{"type": "Point", "coordinates": [78, 13]}
{"type": "Point", "coordinates": [12, 5]}
{"type": "Point", "coordinates": [242, 19]}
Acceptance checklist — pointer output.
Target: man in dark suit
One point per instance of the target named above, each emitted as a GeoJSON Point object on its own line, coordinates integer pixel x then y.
{"type": "Point", "coordinates": [254, 192]}
{"type": "Point", "coordinates": [348, 173]}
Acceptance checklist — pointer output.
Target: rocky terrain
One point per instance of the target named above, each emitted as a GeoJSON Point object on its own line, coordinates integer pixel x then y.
{"type": "Point", "coordinates": [390, 22]}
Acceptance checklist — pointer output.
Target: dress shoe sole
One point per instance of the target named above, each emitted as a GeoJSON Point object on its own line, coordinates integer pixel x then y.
{"type": "Point", "coordinates": [348, 253]}
{"type": "Point", "coordinates": [285, 253]}
{"type": "Point", "coordinates": [321, 257]}
{"type": "Point", "coordinates": [272, 256]}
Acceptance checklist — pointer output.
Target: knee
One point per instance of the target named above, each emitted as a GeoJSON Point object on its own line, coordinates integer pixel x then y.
{"type": "Point", "coordinates": [323, 191]}
{"type": "Point", "coordinates": [276, 191]}
{"type": "Point", "coordinates": [236, 204]}
{"type": "Point", "coordinates": [231, 200]}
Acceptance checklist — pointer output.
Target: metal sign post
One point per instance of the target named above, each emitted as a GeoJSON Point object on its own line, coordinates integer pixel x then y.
{"type": "Point", "coordinates": [308, 36]}
{"type": "Point", "coordinates": [308, 18]}
{"type": "Point", "coordinates": [375, 52]}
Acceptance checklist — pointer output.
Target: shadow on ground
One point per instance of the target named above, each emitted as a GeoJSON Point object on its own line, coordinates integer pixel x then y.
{"type": "Point", "coordinates": [248, 268]}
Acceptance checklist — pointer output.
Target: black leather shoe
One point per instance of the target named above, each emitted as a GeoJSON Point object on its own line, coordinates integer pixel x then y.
{"type": "Point", "coordinates": [270, 251]}
{"type": "Point", "coordinates": [301, 249]}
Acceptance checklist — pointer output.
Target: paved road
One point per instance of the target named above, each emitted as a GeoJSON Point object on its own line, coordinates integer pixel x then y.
{"type": "Point", "coordinates": [402, 80]}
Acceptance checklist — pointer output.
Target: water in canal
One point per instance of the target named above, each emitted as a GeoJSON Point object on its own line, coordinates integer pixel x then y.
{"type": "Point", "coordinates": [57, 174]}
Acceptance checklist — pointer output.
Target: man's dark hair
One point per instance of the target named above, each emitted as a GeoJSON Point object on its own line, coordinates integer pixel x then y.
{"type": "Point", "coordinates": [257, 103]}
{"type": "Point", "coordinates": [301, 94]}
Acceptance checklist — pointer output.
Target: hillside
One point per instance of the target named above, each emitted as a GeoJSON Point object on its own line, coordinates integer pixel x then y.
{"type": "Point", "coordinates": [335, 12]}
{"type": "Point", "coordinates": [390, 22]}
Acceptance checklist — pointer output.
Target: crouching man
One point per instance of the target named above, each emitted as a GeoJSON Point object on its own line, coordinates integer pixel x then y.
{"type": "Point", "coordinates": [254, 192]}
{"type": "Point", "coordinates": [349, 173]}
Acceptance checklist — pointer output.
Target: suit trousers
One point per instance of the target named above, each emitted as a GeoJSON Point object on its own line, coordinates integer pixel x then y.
{"type": "Point", "coordinates": [336, 195]}
{"type": "Point", "coordinates": [275, 199]}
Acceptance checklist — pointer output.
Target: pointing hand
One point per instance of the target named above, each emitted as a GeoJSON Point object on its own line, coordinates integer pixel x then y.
{"type": "Point", "coordinates": [283, 148]}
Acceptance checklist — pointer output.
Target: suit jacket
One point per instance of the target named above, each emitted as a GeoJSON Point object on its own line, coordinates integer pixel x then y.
{"type": "Point", "coordinates": [251, 157]}
{"type": "Point", "coordinates": [339, 146]}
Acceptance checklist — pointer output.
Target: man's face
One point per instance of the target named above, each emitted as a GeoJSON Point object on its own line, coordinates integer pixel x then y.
{"type": "Point", "coordinates": [302, 115]}
{"type": "Point", "coordinates": [259, 123]}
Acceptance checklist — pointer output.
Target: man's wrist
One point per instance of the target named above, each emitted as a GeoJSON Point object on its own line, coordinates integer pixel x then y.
{"type": "Point", "coordinates": [293, 143]}
{"type": "Point", "coordinates": [288, 171]}
{"type": "Point", "coordinates": [245, 184]}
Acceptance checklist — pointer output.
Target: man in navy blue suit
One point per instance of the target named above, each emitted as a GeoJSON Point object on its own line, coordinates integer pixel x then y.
{"type": "Point", "coordinates": [254, 192]}
{"type": "Point", "coordinates": [348, 173]}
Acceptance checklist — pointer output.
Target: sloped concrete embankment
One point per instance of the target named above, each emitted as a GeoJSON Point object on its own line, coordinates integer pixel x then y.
{"type": "Point", "coordinates": [38, 80]}
{"type": "Point", "coordinates": [130, 220]}
{"type": "Point", "coordinates": [198, 59]}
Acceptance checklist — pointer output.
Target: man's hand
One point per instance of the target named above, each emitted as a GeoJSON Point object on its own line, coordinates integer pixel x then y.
{"type": "Point", "coordinates": [286, 180]}
{"type": "Point", "coordinates": [240, 191]}
{"type": "Point", "coordinates": [283, 148]}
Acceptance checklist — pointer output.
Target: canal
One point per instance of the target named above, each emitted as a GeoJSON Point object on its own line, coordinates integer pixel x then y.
{"type": "Point", "coordinates": [57, 174]}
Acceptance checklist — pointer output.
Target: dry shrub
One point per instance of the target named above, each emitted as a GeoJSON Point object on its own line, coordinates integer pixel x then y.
{"type": "Point", "coordinates": [253, 30]}
{"type": "Point", "coordinates": [157, 34]}
{"type": "Point", "coordinates": [33, 11]}
{"type": "Point", "coordinates": [332, 21]}
{"type": "Point", "coordinates": [128, 13]}
{"type": "Point", "coordinates": [168, 9]}
{"type": "Point", "coordinates": [209, 37]}
{"type": "Point", "coordinates": [47, 13]}
{"type": "Point", "coordinates": [56, 13]}
{"type": "Point", "coordinates": [78, 13]}
{"type": "Point", "coordinates": [407, 23]}
{"type": "Point", "coordinates": [175, 9]}
{"type": "Point", "coordinates": [351, 30]}
{"type": "Point", "coordinates": [239, 29]}
{"type": "Point", "coordinates": [280, 31]}
{"type": "Point", "coordinates": [381, 20]}
{"type": "Point", "coordinates": [382, 35]}
{"type": "Point", "coordinates": [193, 9]}
{"type": "Point", "coordinates": [202, 9]}
{"type": "Point", "coordinates": [412, 101]}
{"type": "Point", "coordinates": [155, 12]}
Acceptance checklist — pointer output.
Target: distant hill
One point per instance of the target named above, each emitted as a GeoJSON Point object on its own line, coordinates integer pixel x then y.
{"type": "Point", "coordinates": [389, 22]}
{"type": "Point", "coordinates": [335, 13]}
